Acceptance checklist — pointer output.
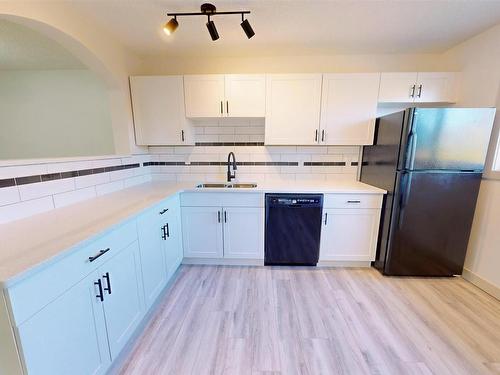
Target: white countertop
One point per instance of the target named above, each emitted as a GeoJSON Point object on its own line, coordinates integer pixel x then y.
{"type": "Point", "coordinates": [43, 238]}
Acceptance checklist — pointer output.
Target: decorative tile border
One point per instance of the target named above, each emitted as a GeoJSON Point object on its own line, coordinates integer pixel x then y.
{"type": "Point", "coordinates": [222, 163]}
{"type": "Point", "coordinates": [324, 164]}
{"type": "Point", "coordinates": [17, 181]}
{"type": "Point", "coordinates": [229, 144]}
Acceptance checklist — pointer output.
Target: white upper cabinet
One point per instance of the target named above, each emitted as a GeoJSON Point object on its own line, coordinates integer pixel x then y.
{"type": "Point", "coordinates": [397, 87]}
{"type": "Point", "coordinates": [245, 95]}
{"type": "Point", "coordinates": [293, 103]}
{"type": "Point", "coordinates": [349, 108]}
{"type": "Point", "coordinates": [418, 87]}
{"type": "Point", "coordinates": [158, 106]}
{"type": "Point", "coordinates": [435, 88]}
{"type": "Point", "coordinates": [230, 95]}
{"type": "Point", "coordinates": [204, 95]}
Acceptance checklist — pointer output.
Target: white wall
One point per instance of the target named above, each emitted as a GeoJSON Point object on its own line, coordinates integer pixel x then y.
{"type": "Point", "coordinates": [53, 113]}
{"type": "Point", "coordinates": [97, 50]}
{"type": "Point", "coordinates": [479, 59]}
{"type": "Point", "coordinates": [290, 64]}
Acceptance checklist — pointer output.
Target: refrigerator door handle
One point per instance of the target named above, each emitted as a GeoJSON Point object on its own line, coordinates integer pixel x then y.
{"type": "Point", "coordinates": [412, 149]}
{"type": "Point", "coordinates": [404, 196]}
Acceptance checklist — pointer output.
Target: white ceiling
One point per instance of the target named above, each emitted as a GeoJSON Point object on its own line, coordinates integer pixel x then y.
{"type": "Point", "coordinates": [290, 27]}
{"type": "Point", "coordinates": [24, 48]}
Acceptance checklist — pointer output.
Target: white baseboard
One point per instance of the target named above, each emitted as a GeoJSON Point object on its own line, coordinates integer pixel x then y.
{"type": "Point", "coordinates": [223, 262]}
{"type": "Point", "coordinates": [344, 263]}
{"type": "Point", "coordinates": [481, 283]}
{"type": "Point", "coordinates": [260, 262]}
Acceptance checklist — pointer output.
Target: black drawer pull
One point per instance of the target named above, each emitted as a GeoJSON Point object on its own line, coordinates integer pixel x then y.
{"type": "Point", "coordinates": [108, 288]}
{"type": "Point", "coordinates": [225, 216]}
{"type": "Point", "coordinates": [101, 253]}
{"type": "Point", "coordinates": [326, 218]}
{"type": "Point", "coordinates": [163, 211]}
{"type": "Point", "coordinates": [353, 201]}
{"type": "Point", "coordinates": [101, 294]}
{"type": "Point", "coordinates": [168, 231]}
{"type": "Point", "coordinates": [164, 233]}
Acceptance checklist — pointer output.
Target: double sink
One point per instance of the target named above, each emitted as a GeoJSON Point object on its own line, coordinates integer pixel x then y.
{"type": "Point", "coordinates": [228, 185]}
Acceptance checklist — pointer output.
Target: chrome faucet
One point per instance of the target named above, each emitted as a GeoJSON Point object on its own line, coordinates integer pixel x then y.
{"type": "Point", "coordinates": [230, 175]}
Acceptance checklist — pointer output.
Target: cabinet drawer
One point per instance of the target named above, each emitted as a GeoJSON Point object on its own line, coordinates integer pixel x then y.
{"type": "Point", "coordinates": [352, 201]}
{"type": "Point", "coordinates": [241, 199]}
{"type": "Point", "coordinates": [33, 293]}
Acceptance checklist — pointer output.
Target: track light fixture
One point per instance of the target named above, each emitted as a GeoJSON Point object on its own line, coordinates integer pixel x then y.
{"type": "Point", "coordinates": [170, 26]}
{"type": "Point", "coordinates": [209, 10]}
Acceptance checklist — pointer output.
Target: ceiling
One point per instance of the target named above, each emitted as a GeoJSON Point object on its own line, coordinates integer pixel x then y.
{"type": "Point", "coordinates": [290, 27]}
{"type": "Point", "coordinates": [22, 48]}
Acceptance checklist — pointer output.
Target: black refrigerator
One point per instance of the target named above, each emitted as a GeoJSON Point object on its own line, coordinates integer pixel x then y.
{"type": "Point", "coordinates": [430, 161]}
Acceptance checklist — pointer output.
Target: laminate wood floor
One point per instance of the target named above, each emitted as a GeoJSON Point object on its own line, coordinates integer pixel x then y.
{"type": "Point", "coordinates": [262, 320]}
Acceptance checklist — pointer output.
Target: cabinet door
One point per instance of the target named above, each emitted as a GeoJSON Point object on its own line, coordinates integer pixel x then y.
{"type": "Point", "coordinates": [293, 104]}
{"type": "Point", "coordinates": [158, 107]}
{"type": "Point", "coordinates": [349, 108]}
{"type": "Point", "coordinates": [245, 95]}
{"type": "Point", "coordinates": [435, 87]}
{"type": "Point", "coordinates": [68, 336]}
{"type": "Point", "coordinates": [397, 87]}
{"type": "Point", "coordinates": [202, 232]}
{"type": "Point", "coordinates": [243, 232]}
{"type": "Point", "coordinates": [123, 299]}
{"type": "Point", "coordinates": [349, 234]}
{"type": "Point", "coordinates": [172, 244]}
{"type": "Point", "coordinates": [204, 95]}
{"type": "Point", "coordinates": [154, 276]}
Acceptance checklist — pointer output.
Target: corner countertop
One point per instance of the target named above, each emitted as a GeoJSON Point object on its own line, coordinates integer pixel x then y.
{"type": "Point", "coordinates": [42, 239]}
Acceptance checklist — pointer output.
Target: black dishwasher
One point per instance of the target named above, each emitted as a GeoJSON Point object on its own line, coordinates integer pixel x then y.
{"type": "Point", "coordinates": [293, 229]}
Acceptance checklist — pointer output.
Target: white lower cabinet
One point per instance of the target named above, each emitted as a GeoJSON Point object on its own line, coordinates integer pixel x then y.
{"type": "Point", "coordinates": [243, 232]}
{"type": "Point", "coordinates": [172, 240]}
{"type": "Point", "coordinates": [101, 294]}
{"type": "Point", "coordinates": [225, 231]}
{"type": "Point", "coordinates": [202, 232]}
{"type": "Point", "coordinates": [121, 296]}
{"type": "Point", "coordinates": [68, 336]}
{"type": "Point", "coordinates": [349, 234]}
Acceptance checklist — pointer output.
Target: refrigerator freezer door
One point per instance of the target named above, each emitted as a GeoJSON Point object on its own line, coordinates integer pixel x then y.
{"type": "Point", "coordinates": [449, 139]}
{"type": "Point", "coordinates": [379, 167]}
{"type": "Point", "coordinates": [431, 223]}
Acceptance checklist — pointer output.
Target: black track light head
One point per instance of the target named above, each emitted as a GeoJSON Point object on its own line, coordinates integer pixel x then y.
{"type": "Point", "coordinates": [212, 29]}
{"type": "Point", "coordinates": [171, 26]}
{"type": "Point", "coordinates": [245, 25]}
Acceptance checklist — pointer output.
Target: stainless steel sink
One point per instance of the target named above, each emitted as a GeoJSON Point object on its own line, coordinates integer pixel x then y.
{"type": "Point", "coordinates": [228, 186]}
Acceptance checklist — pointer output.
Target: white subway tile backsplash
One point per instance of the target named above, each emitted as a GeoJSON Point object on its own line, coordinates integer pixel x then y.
{"type": "Point", "coordinates": [109, 187]}
{"type": "Point", "coordinates": [9, 195]}
{"type": "Point", "coordinates": [22, 170]}
{"type": "Point", "coordinates": [42, 189]}
{"type": "Point", "coordinates": [24, 209]}
{"type": "Point", "coordinates": [91, 180]}
{"type": "Point", "coordinates": [75, 196]}
{"type": "Point", "coordinates": [69, 166]}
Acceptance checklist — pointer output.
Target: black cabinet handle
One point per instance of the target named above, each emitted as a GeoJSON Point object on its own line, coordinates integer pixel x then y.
{"type": "Point", "coordinates": [163, 211]}
{"type": "Point", "coordinates": [419, 94]}
{"type": "Point", "coordinates": [100, 254]}
{"type": "Point", "coordinates": [168, 231]}
{"type": "Point", "coordinates": [227, 107]}
{"type": "Point", "coordinates": [164, 234]}
{"type": "Point", "coordinates": [225, 216]}
{"type": "Point", "coordinates": [108, 282]}
{"type": "Point", "coordinates": [221, 108]}
{"type": "Point", "coordinates": [101, 294]}
{"type": "Point", "coordinates": [316, 136]}
{"type": "Point", "coordinates": [353, 201]}
{"type": "Point", "coordinates": [326, 218]}
{"type": "Point", "coordinates": [182, 135]}
{"type": "Point", "coordinates": [323, 135]}
{"type": "Point", "coordinates": [218, 216]}
{"type": "Point", "coordinates": [412, 95]}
